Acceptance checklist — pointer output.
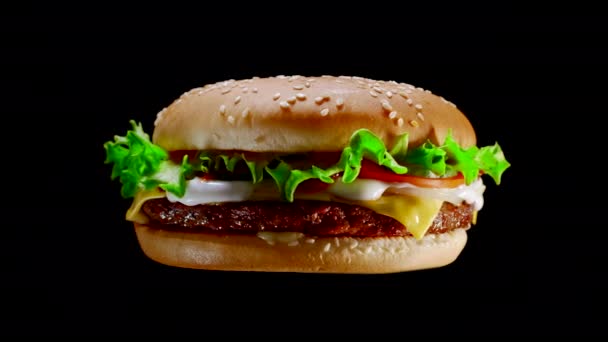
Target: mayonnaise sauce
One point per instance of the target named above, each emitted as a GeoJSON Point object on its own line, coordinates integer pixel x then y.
{"type": "Point", "coordinates": [199, 191]}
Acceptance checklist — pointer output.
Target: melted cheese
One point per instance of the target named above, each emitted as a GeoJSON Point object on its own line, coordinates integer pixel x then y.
{"type": "Point", "coordinates": [134, 213]}
{"type": "Point", "coordinates": [417, 214]}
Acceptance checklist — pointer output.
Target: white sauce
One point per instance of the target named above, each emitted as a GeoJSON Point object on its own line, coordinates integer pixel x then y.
{"type": "Point", "coordinates": [359, 190]}
{"type": "Point", "coordinates": [369, 190]}
{"type": "Point", "coordinates": [289, 238]}
{"type": "Point", "coordinates": [199, 191]}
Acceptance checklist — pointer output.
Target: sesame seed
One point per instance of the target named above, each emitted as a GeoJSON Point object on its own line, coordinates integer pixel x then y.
{"type": "Point", "coordinates": [231, 119]}
{"type": "Point", "coordinates": [327, 247]}
{"type": "Point", "coordinates": [400, 122]}
{"type": "Point", "coordinates": [403, 94]}
{"type": "Point", "coordinates": [225, 91]}
{"type": "Point", "coordinates": [245, 112]}
{"type": "Point", "coordinates": [339, 102]}
{"type": "Point", "coordinates": [337, 241]}
{"type": "Point", "coordinates": [353, 244]}
{"type": "Point", "coordinates": [291, 100]}
{"type": "Point", "coordinates": [387, 106]}
{"type": "Point", "coordinates": [409, 102]}
{"type": "Point", "coordinates": [276, 96]}
{"type": "Point", "coordinates": [339, 81]}
{"type": "Point", "coordinates": [378, 90]}
{"type": "Point", "coordinates": [312, 80]}
{"type": "Point", "coordinates": [298, 87]}
{"type": "Point", "coordinates": [420, 116]}
{"type": "Point", "coordinates": [237, 100]}
{"type": "Point", "coordinates": [301, 96]}
{"type": "Point", "coordinates": [254, 90]}
{"type": "Point", "coordinates": [318, 100]}
{"type": "Point", "coordinates": [414, 123]}
{"type": "Point", "coordinates": [222, 109]}
{"type": "Point", "coordinates": [310, 241]}
{"type": "Point", "coordinates": [245, 90]}
{"type": "Point", "coordinates": [418, 106]}
{"type": "Point", "coordinates": [392, 115]}
{"type": "Point", "coordinates": [389, 94]}
{"type": "Point", "coordinates": [373, 93]}
{"type": "Point", "coordinates": [307, 84]}
{"type": "Point", "coordinates": [324, 112]}
{"type": "Point", "coordinates": [409, 91]}
{"type": "Point", "coordinates": [293, 243]}
{"type": "Point", "coordinates": [345, 77]}
{"type": "Point", "coordinates": [284, 104]}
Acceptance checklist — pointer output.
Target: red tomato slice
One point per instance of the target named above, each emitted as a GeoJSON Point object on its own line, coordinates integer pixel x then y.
{"type": "Point", "coordinates": [311, 186]}
{"type": "Point", "coordinates": [371, 170]}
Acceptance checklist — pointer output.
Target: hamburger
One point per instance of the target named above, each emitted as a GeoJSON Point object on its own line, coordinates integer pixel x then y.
{"type": "Point", "coordinates": [305, 174]}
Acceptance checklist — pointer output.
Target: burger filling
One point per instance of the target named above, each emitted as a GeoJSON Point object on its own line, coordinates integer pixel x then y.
{"type": "Point", "coordinates": [310, 217]}
{"type": "Point", "coordinates": [365, 190]}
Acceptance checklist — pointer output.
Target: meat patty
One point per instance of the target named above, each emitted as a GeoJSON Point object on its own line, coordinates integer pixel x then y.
{"type": "Point", "coordinates": [317, 218]}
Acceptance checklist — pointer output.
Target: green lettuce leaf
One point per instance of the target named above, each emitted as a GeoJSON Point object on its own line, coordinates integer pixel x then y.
{"type": "Point", "coordinates": [206, 161]}
{"type": "Point", "coordinates": [491, 161]}
{"type": "Point", "coordinates": [363, 144]}
{"type": "Point", "coordinates": [428, 157]}
{"type": "Point", "coordinates": [450, 159]}
{"type": "Point", "coordinates": [141, 165]}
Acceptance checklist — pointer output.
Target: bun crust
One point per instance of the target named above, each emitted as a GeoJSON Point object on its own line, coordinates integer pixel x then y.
{"type": "Point", "coordinates": [299, 114]}
{"type": "Point", "coordinates": [324, 255]}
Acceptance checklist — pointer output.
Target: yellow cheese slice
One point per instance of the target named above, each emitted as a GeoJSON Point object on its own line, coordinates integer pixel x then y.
{"type": "Point", "coordinates": [134, 213]}
{"type": "Point", "coordinates": [416, 214]}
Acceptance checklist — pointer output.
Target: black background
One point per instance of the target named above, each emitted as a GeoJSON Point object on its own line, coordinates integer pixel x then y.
{"type": "Point", "coordinates": [530, 78]}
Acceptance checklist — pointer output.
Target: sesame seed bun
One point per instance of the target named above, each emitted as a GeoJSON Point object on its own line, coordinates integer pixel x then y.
{"type": "Point", "coordinates": [324, 255]}
{"type": "Point", "coordinates": [299, 114]}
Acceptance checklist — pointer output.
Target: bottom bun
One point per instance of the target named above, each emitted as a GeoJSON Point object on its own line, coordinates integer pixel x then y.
{"type": "Point", "coordinates": [321, 255]}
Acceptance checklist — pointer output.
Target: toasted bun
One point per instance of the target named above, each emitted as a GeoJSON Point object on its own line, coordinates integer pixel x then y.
{"type": "Point", "coordinates": [298, 114]}
{"type": "Point", "coordinates": [323, 255]}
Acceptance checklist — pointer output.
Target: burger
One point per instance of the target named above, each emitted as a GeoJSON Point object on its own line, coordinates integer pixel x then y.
{"type": "Point", "coordinates": [305, 174]}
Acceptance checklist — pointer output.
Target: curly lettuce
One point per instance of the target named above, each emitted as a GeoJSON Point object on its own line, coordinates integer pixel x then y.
{"type": "Point", "coordinates": [450, 159]}
{"type": "Point", "coordinates": [363, 144]}
{"type": "Point", "coordinates": [140, 164]}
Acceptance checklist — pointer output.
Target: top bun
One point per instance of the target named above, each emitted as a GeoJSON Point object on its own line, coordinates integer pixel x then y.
{"type": "Point", "coordinates": [299, 114]}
